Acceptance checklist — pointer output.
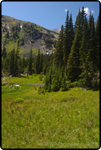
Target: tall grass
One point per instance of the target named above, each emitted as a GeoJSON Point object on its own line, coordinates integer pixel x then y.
{"type": "Point", "coordinates": [67, 119]}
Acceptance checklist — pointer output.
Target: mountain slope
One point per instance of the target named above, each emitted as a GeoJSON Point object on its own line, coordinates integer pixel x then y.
{"type": "Point", "coordinates": [30, 35]}
{"type": "Point", "coordinates": [56, 30]}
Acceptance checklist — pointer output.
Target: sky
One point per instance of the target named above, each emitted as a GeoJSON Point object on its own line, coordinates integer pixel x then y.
{"type": "Point", "coordinates": [50, 14]}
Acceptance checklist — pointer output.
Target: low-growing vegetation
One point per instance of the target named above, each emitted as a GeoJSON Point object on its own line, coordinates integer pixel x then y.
{"type": "Point", "coordinates": [62, 119]}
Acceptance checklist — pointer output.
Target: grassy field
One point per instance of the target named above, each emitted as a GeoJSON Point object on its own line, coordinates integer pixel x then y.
{"type": "Point", "coordinates": [67, 119]}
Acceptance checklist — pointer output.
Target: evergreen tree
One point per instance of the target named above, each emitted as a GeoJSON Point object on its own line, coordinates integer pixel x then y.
{"type": "Point", "coordinates": [97, 32]}
{"type": "Point", "coordinates": [71, 33]}
{"type": "Point", "coordinates": [4, 52]}
{"type": "Point", "coordinates": [37, 63]}
{"type": "Point", "coordinates": [30, 63]}
{"type": "Point", "coordinates": [91, 56]}
{"type": "Point", "coordinates": [58, 54]}
{"type": "Point", "coordinates": [77, 22]}
{"type": "Point", "coordinates": [23, 64]}
{"type": "Point", "coordinates": [17, 60]}
{"type": "Point", "coordinates": [73, 63]}
{"type": "Point", "coordinates": [20, 65]}
{"type": "Point", "coordinates": [66, 47]}
{"type": "Point", "coordinates": [41, 63]}
{"type": "Point", "coordinates": [12, 62]}
{"type": "Point", "coordinates": [83, 53]}
{"type": "Point", "coordinates": [6, 63]}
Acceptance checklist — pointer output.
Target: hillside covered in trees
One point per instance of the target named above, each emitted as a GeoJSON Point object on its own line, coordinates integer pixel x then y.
{"type": "Point", "coordinates": [75, 61]}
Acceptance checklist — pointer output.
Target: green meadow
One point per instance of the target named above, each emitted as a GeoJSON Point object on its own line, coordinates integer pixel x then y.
{"type": "Point", "coordinates": [63, 119]}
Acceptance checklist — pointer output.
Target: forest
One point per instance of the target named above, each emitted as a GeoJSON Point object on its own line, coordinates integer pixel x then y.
{"type": "Point", "coordinates": [75, 61]}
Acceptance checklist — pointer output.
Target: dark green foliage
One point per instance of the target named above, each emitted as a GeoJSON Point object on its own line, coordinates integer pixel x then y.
{"type": "Point", "coordinates": [23, 64]}
{"type": "Point", "coordinates": [6, 63]}
{"type": "Point", "coordinates": [4, 52]}
{"type": "Point", "coordinates": [7, 35]}
{"type": "Point", "coordinates": [66, 49]}
{"type": "Point", "coordinates": [17, 57]}
{"type": "Point", "coordinates": [55, 79]}
{"type": "Point", "coordinates": [48, 42]}
{"type": "Point", "coordinates": [39, 63]}
{"type": "Point", "coordinates": [30, 63]}
{"type": "Point", "coordinates": [41, 77]}
{"type": "Point", "coordinates": [97, 40]}
{"type": "Point", "coordinates": [58, 54]}
{"type": "Point", "coordinates": [41, 90]}
{"type": "Point", "coordinates": [12, 62]}
{"type": "Point", "coordinates": [73, 64]}
{"type": "Point", "coordinates": [64, 43]}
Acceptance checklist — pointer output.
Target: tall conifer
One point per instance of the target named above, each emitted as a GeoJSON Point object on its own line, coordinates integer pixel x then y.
{"type": "Point", "coordinates": [58, 54]}
{"type": "Point", "coordinates": [97, 31]}
{"type": "Point", "coordinates": [66, 49]}
{"type": "Point", "coordinates": [30, 63]}
{"type": "Point", "coordinates": [12, 62]}
{"type": "Point", "coordinates": [17, 59]}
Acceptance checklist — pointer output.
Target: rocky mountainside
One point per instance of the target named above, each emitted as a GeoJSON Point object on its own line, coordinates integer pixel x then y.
{"type": "Point", "coordinates": [30, 35]}
{"type": "Point", "coordinates": [56, 30]}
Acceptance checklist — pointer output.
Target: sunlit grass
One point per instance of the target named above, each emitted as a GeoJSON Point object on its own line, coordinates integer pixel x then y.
{"type": "Point", "coordinates": [67, 119]}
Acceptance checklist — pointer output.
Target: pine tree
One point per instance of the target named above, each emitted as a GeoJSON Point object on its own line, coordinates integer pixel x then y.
{"type": "Point", "coordinates": [37, 63]}
{"type": "Point", "coordinates": [4, 52]}
{"type": "Point", "coordinates": [83, 54]}
{"type": "Point", "coordinates": [91, 56]}
{"type": "Point", "coordinates": [30, 63]}
{"type": "Point", "coordinates": [97, 32]}
{"type": "Point", "coordinates": [66, 49]}
{"type": "Point", "coordinates": [12, 62]}
{"type": "Point", "coordinates": [73, 64]}
{"type": "Point", "coordinates": [58, 54]}
{"type": "Point", "coordinates": [7, 63]}
{"type": "Point", "coordinates": [41, 63]}
{"type": "Point", "coordinates": [23, 64]}
{"type": "Point", "coordinates": [77, 22]}
{"type": "Point", "coordinates": [71, 33]}
{"type": "Point", "coordinates": [20, 65]}
{"type": "Point", "coordinates": [17, 60]}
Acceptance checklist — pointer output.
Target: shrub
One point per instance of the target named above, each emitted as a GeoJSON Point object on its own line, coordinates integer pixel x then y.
{"type": "Point", "coordinates": [41, 77]}
{"type": "Point", "coordinates": [41, 90]}
{"type": "Point", "coordinates": [19, 100]}
{"type": "Point", "coordinates": [63, 84]}
{"type": "Point", "coordinates": [78, 83]}
{"type": "Point", "coordinates": [95, 85]}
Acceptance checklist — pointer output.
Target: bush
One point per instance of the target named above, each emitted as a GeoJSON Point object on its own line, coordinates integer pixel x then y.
{"type": "Point", "coordinates": [19, 100]}
{"type": "Point", "coordinates": [41, 77]}
{"type": "Point", "coordinates": [55, 79]}
{"type": "Point", "coordinates": [41, 90]}
{"type": "Point", "coordinates": [78, 83]}
{"type": "Point", "coordinates": [63, 84]}
{"type": "Point", "coordinates": [95, 85]}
